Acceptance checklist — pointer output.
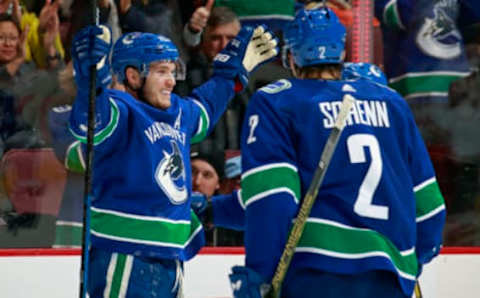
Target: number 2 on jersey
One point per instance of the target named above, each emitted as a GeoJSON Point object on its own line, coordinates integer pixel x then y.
{"type": "Point", "coordinates": [356, 150]}
{"type": "Point", "coordinates": [253, 122]}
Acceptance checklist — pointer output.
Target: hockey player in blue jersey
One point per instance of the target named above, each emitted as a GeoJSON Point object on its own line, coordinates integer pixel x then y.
{"type": "Point", "coordinates": [379, 213]}
{"type": "Point", "coordinates": [142, 227]}
{"type": "Point", "coordinates": [228, 211]}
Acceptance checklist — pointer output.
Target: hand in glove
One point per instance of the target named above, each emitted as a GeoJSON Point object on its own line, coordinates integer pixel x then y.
{"type": "Point", "coordinates": [250, 48]}
{"type": "Point", "coordinates": [199, 203]}
{"type": "Point", "coordinates": [91, 46]}
{"type": "Point", "coordinates": [246, 283]}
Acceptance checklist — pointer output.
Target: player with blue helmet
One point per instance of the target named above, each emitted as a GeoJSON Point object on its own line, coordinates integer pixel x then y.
{"type": "Point", "coordinates": [142, 227]}
{"type": "Point", "coordinates": [352, 71]}
{"type": "Point", "coordinates": [379, 213]}
{"type": "Point", "coordinates": [140, 49]}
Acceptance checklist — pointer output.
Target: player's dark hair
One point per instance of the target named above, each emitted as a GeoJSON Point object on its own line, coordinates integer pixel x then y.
{"type": "Point", "coordinates": [319, 71]}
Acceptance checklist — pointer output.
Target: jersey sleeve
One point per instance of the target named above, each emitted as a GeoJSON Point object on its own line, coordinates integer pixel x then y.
{"type": "Point", "coordinates": [210, 100]}
{"type": "Point", "coordinates": [270, 182]}
{"type": "Point", "coordinates": [67, 149]}
{"type": "Point", "coordinates": [430, 205]}
{"type": "Point", "coordinates": [108, 120]}
{"type": "Point", "coordinates": [229, 211]}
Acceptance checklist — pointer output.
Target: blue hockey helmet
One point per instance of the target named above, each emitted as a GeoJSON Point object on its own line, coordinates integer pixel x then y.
{"type": "Point", "coordinates": [139, 49]}
{"type": "Point", "coordinates": [315, 37]}
{"type": "Point", "coordinates": [368, 71]}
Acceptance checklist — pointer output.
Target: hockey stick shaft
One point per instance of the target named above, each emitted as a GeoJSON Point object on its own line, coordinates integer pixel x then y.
{"type": "Point", "coordinates": [311, 196]}
{"type": "Point", "coordinates": [88, 168]}
{"type": "Point", "coordinates": [417, 290]}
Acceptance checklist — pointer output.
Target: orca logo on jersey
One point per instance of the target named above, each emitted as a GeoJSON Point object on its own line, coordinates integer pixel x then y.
{"type": "Point", "coordinates": [438, 36]}
{"type": "Point", "coordinates": [170, 175]}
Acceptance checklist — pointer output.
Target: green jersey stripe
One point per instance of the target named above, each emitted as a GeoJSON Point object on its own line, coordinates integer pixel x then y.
{"type": "Point", "coordinates": [143, 229]}
{"type": "Point", "coordinates": [126, 276]}
{"type": "Point", "coordinates": [430, 214]}
{"type": "Point", "coordinates": [268, 167]}
{"type": "Point", "coordinates": [103, 134]}
{"type": "Point", "coordinates": [391, 17]}
{"type": "Point", "coordinates": [425, 83]}
{"type": "Point", "coordinates": [203, 124]}
{"type": "Point", "coordinates": [270, 192]}
{"type": "Point", "coordinates": [346, 242]}
{"type": "Point", "coordinates": [263, 181]}
{"type": "Point", "coordinates": [74, 160]}
{"type": "Point", "coordinates": [429, 199]}
{"type": "Point", "coordinates": [117, 275]}
{"type": "Point", "coordinates": [254, 8]}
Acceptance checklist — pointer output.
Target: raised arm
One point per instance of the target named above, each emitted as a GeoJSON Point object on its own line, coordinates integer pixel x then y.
{"type": "Point", "coordinates": [91, 46]}
{"type": "Point", "coordinates": [232, 66]}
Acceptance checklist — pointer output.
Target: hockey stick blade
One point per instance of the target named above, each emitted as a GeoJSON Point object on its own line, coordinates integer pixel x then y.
{"type": "Point", "coordinates": [310, 197]}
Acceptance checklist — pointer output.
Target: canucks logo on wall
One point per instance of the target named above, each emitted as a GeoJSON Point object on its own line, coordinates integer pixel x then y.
{"type": "Point", "coordinates": [438, 36]}
{"type": "Point", "coordinates": [170, 175]}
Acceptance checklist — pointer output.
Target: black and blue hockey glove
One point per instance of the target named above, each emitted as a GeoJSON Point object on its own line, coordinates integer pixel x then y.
{"type": "Point", "coordinates": [246, 283]}
{"type": "Point", "coordinates": [250, 48]}
{"type": "Point", "coordinates": [199, 203]}
{"type": "Point", "coordinates": [91, 46]}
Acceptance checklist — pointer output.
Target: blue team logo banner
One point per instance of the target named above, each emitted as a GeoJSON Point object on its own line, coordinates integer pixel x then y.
{"type": "Point", "coordinates": [438, 36]}
{"type": "Point", "coordinates": [170, 175]}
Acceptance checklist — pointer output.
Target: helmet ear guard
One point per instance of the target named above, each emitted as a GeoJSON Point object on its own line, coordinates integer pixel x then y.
{"type": "Point", "coordinates": [315, 37]}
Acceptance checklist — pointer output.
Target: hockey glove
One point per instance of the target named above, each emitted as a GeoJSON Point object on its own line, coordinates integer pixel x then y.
{"type": "Point", "coordinates": [250, 48]}
{"type": "Point", "coordinates": [91, 46]}
{"type": "Point", "coordinates": [199, 203]}
{"type": "Point", "coordinates": [246, 283]}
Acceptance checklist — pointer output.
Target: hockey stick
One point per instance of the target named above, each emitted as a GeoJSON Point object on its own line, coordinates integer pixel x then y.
{"type": "Point", "coordinates": [310, 197]}
{"type": "Point", "coordinates": [417, 290]}
{"type": "Point", "coordinates": [88, 169]}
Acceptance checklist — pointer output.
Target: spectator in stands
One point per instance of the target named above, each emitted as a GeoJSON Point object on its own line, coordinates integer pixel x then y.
{"type": "Point", "coordinates": [215, 198]}
{"type": "Point", "coordinates": [20, 82]}
{"type": "Point", "coordinates": [43, 44]}
{"type": "Point", "coordinates": [207, 171]}
{"type": "Point", "coordinates": [154, 16]}
{"type": "Point", "coordinates": [193, 29]}
{"type": "Point", "coordinates": [108, 16]}
{"type": "Point", "coordinates": [221, 27]}
{"type": "Point", "coordinates": [8, 121]}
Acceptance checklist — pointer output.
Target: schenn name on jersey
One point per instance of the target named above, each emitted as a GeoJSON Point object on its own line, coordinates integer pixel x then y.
{"type": "Point", "coordinates": [368, 112]}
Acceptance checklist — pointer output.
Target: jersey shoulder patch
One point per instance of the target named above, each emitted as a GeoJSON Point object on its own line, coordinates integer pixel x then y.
{"type": "Point", "coordinates": [277, 86]}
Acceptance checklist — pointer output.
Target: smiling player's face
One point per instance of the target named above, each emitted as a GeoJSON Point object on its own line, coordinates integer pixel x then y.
{"type": "Point", "coordinates": [159, 84]}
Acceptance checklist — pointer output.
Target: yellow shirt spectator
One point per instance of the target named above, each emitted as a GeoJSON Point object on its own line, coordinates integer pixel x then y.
{"type": "Point", "coordinates": [35, 50]}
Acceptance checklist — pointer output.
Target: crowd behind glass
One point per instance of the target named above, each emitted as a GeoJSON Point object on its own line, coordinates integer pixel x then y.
{"type": "Point", "coordinates": [41, 194]}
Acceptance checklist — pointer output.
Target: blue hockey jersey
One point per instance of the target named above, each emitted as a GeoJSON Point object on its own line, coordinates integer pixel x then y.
{"type": "Point", "coordinates": [141, 169]}
{"type": "Point", "coordinates": [379, 207]}
{"type": "Point", "coordinates": [423, 47]}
